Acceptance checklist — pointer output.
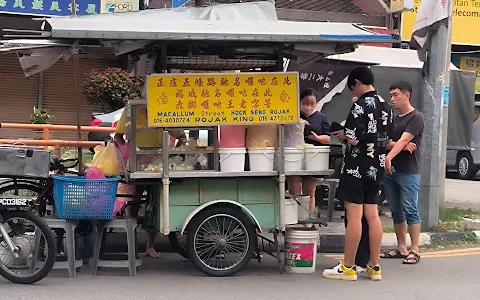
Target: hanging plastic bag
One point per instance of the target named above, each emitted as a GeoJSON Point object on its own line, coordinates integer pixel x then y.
{"type": "Point", "coordinates": [294, 136]}
{"type": "Point", "coordinates": [106, 159]}
{"type": "Point", "coordinates": [262, 136]}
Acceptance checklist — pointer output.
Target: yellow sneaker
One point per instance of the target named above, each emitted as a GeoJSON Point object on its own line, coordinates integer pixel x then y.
{"type": "Point", "coordinates": [340, 272]}
{"type": "Point", "coordinates": [375, 272]}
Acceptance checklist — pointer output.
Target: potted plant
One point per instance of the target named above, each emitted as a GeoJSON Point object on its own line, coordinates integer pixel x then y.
{"type": "Point", "coordinates": [112, 86]}
{"type": "Point", "coordinates": [40, 116]}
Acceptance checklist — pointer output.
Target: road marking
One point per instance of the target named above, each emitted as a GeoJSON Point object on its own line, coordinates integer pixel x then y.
{"type": "Point", "coordinates": [434, 254]}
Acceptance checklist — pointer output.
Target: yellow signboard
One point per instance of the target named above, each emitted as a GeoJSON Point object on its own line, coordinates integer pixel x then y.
{"type": "Point", "coordinates": [472, 64]}
{"type": "Point", "coordinates": [466, 17]}
{"type": "Point", "coordinates": [181, 100]}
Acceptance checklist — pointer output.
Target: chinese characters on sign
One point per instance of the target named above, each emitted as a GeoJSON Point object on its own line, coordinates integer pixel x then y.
{"type": "Point", "coordinates": [220, 99]}
{"type": "Point", "coordinates": [323, 76]}
{"type": "Point", "coordinates": [49, 7]}
{"type": "Point", "coordinates": [472, 64]}
{"type": "Point", "coordinates": [319, 78]}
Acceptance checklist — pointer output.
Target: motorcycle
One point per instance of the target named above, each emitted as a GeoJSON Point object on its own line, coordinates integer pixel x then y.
{"type": "Point", "coordinates": [27, 244]}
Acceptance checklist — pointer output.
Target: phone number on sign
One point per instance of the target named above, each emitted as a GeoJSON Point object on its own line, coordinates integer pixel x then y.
{"type": "Point", "coordinates": [276, 118]}
{"type": "Point", "coordinates": [171, 120]}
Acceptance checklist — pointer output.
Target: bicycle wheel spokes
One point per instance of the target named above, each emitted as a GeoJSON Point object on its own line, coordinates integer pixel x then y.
{"type": "Point", "coordinates": [221, 242]}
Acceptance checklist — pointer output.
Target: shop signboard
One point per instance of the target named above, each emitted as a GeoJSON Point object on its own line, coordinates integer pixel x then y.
{"type": "Point", "coordinates": [465, 18]}
{"type": "Point", "coordinates": [179, 3]}
{"type": "Point", "coordinates": [472, 64]}
{"type": "Point", "coordinates": [119, 6]}
{"type": "Point", "coordinates": [182, 100]}
{"type": "Point", "coordinates": [49, 7]}
{"type": "Point", "coordinates": [400, 5]}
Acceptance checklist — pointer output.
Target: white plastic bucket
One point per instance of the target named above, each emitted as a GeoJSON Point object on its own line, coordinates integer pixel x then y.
{"type": "Point", "coordinates": [291, 212]}
{"type": "Point", "coordinates": [294, 159]}
{"type": "Point", "coordinates": [317, 158]}
{"type": "Point", "coordinates": [301, 250]}
{"type": "Point", "coordinates": [303, 208]}
{"type": "Point", "coordinates": [232, 159]}
{"type": "Point", "coordinates": [261, 159]}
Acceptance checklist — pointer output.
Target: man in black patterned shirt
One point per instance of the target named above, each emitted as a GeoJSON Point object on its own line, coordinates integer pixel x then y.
{"type": "Point", "coordinates": [366, 133]}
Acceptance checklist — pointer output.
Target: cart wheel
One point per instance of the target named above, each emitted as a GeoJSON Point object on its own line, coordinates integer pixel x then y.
{"type": "Point", "coordinates": [179, 243]}
{"type": "Point", "coordinates": [220, 241]}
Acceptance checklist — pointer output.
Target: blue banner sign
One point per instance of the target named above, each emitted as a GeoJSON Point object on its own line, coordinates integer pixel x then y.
{"type": "Point", "coordinates": [49, 7]}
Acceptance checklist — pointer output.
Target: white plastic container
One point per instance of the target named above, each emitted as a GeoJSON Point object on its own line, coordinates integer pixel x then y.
{"type": "Point", "coordinates": [301, 250]}
{"type": "Point", "coordinates": [317, 158]}
{"type": "Point", "coordinates": [232, 159]}
{"type": "Point", "coordinates": [294, 159]}
{"type": "Point", "coordinates": [303, 208]}
{"type": "Point", "coordinates": [291, 212]}
{"type": "Point", "coordinates": [261, 159]}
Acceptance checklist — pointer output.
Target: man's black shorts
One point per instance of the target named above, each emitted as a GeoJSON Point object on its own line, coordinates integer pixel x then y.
{"type": "Point", "coordinates": [358, 191]}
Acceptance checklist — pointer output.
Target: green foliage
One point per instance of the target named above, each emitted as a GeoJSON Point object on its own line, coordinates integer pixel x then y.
{"type": "Point", "coordinates": [113, 87]}
{"type": "Point", "coordinates": [40, 116]}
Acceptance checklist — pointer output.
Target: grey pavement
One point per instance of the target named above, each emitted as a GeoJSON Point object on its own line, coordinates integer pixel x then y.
{"type": "Point", "coordinates": [462, 193]}
{"type": "Point", "coordinates": [172, 278]}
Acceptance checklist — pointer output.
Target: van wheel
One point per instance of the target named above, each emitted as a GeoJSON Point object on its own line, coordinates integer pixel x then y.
{"type": "Point", "coordinates": [465, 167]}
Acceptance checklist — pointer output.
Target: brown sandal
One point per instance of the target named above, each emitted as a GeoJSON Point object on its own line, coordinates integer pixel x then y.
{"type": "Point", "coordinates": [412, 258]}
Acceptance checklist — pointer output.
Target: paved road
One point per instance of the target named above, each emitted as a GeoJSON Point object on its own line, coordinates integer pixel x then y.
{"type": "Point", "coordinates": [462, 193]}
{"type": "Point", "coordinates": [173, 278]}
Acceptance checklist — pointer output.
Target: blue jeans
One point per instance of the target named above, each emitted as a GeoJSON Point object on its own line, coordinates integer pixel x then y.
{"type": "Point", "coordinates": [401, 190]}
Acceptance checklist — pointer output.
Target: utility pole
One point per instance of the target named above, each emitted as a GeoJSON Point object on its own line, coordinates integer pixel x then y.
{"type": "Point", "coordinates": [435, 99]}
{"type": "Point", "coordinates": [443, 162]}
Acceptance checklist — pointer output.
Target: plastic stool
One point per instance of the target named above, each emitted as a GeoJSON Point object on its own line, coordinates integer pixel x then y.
{"type": "Point", "coordinates": [72, 263]}
{"type": "Point", "coordinates": [129, 225]}
{"type": "Point", "coordinates": [332, 184]}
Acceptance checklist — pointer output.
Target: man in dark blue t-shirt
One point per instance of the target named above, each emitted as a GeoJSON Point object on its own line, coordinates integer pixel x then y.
{"type": "Point", "coordinates": [366, 133]}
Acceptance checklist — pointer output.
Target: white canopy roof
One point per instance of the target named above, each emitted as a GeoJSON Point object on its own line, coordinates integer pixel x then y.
{"type": "Point", "coordinates": [387, 57]}
{"type": "Point", "coordinates": [150, 27]}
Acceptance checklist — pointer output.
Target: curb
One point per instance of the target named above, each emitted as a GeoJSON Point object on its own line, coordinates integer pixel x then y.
{"type": "Point", "coordinates": [329, 243]}
{"type": "Point", "coordinates": [334, 243]}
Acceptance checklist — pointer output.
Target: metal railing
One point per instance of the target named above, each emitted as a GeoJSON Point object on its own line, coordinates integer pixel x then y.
{"type": "Point", "coordinates": [45, 142]}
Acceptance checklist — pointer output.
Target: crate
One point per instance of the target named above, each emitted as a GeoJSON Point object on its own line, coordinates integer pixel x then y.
{"type": "Point", "coordinates": [77, 198]}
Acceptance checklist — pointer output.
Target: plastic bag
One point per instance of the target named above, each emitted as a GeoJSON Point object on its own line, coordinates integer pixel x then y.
{"type": "Point", "coordinates": [94, 173]}
{"type": "Point", "coordinates": [294, 136]}
{"type": "Point", "coordinates": [106, 159]}
{"type": "Point", "coordinates": [262, 136]}
{"type": "Point", "coordinates": [232, 136]}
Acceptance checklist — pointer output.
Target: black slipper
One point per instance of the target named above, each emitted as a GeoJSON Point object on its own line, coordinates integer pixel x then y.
{"type": "Point", "coordinates": [412, 258]}
{"type": "Point", "coordinates": [387, 254]}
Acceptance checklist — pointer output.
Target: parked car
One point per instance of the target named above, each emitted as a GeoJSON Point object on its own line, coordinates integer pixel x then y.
{"type": "Point", "coordinates": [104, 120]}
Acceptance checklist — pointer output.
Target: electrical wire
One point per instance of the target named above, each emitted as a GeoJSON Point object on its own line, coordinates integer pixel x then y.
{"type": "Point", "coordinates": [466, 52]}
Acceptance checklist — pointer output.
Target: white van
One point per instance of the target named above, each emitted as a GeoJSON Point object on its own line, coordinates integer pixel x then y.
{"type": "Point", "coordinates": [467, 163]}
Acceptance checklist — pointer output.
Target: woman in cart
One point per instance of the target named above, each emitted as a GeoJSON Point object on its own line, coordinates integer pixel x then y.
{"type": "Point", "coordinates": [144, 139]}
{"type": "Point", "coordinates": [317, 134]}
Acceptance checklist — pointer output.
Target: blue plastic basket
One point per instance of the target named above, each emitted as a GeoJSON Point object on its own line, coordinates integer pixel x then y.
{"type": "Point", "coordinates": [77, 198]}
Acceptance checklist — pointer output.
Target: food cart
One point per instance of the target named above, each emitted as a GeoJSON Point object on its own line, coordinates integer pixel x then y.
{"type": "Point", "coordinates": [207, 202]}
{"type": "Point", "coordinates": [224, 216]}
